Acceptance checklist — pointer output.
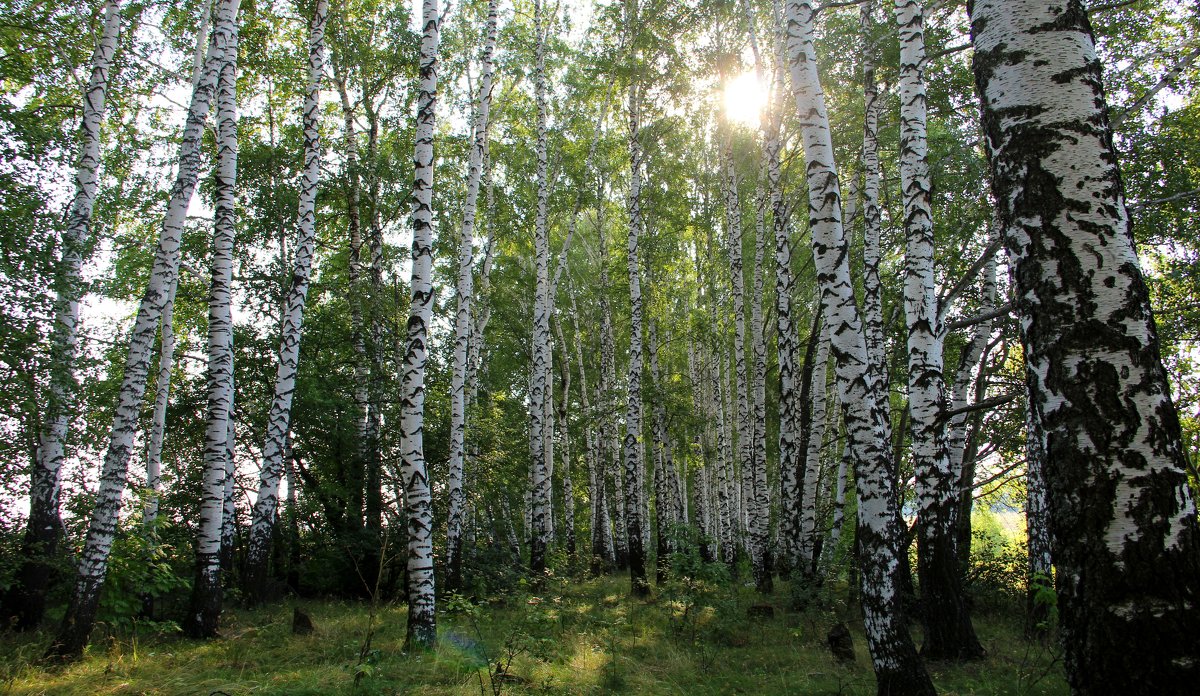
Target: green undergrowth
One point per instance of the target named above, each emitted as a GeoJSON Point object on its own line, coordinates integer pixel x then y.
{"type": "Point", "coordinates": [567, 637]}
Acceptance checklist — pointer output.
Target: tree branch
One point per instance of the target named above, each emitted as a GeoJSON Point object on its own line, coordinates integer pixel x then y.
{"type": "Point", "coordinates": [968, 277]}
{"type": "Point", "coordinates": [1158, 201]}
{"type": "Point", "coordinates": [1181, 65]}
{"type": "Point", "coordinates": [980, 405]}
{"type": "Point", "coordinates": [1000, 311]}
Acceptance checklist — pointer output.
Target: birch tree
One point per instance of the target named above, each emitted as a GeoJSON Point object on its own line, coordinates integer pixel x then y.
{"type": "Point", "coordinates": [948, 631]}
{"type": "Point", "coordinates": [541, 391]}
{"type": "Point", "coordinates": [204, 614]}
{"type": "Point", "coordinates": [462, 317]}
{"type": "Point", "coordinates": [422, 619]}
{"type": "Point", "coordinates": [279, 417]}
{"type": "Point", "coordinates": [1122, 517]}
{"type": "Point", "coordinates": [898, 670]}
{"type": "Point", "coordinates": [80, 616]}
{"type": "Point", "coordinates": [26, 600]}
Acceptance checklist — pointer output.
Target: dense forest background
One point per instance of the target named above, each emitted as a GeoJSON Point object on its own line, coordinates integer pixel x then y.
{"type": "Point", "coordinates": [667, 398]}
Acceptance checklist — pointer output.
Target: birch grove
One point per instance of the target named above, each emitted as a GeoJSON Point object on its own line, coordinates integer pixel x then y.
{"type": "Point", "coordinates": [81, 613]}
{"type": "Point", "coordinates": [605, 342]}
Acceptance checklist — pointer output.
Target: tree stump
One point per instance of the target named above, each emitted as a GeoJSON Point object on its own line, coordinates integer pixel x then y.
{"type": "Point", "coordinates": [302, 624]}
{"type": "Point", "coordinates": [840, 643]}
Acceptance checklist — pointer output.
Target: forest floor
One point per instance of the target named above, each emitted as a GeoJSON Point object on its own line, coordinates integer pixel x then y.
{"type": "Point", "coordinates": [571, 637]}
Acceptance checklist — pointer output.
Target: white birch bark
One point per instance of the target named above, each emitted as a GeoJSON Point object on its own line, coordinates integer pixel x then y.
{"type": "Point", "coordinates": [541, 391]}
{"type": "Point", "coordinates": [1123, 519]}
{"type": "Point", "coordinates": [204, 615]}
{"type": "Point", "coordinates": [634, 467]}
{"type": "Point", "coordinates": [760, 503]}
{"type": "Point", "coordinates": [972, 359]}
{"type": "Point", "coordinates": [1039, 571]}
{"type": "Point", "coordinates": [872, 215]}
{"type": "Point", "coordinates": [948, 631]}
{"type": "Point", "coordinates": [158, 420]}
{"type": "Point", "coordinates": [229, 507]}
{"type": "Point", "coordinates": [897, 667]}
{"type": "Point", "coordinates": [80, 616]}
{"type": "Point", "coordinates": [422, 620]}
{"type": "Point", "coordinates": [462, 317]}
{"type": "Point", "coordinates": [812, 460]}
{"type": "Point", "coordinates": [733, 231]}
{"type": "Point", "coordinates": [279, 416]}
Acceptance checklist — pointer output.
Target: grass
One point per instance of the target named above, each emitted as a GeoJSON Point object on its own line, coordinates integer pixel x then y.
{"type": "Point", "coordinates": [572, 637]}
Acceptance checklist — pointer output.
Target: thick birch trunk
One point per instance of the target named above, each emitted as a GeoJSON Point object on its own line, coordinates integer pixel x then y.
{"type": "Point", "coordinates": [24, 603]}
{"type": "Point", "coordinates": [81, 613]}
{"type": "Point", "coordinates": [898, 670]}
{"type": "Point", "coordinates": [1122, 517]}
{"type": "Point", "coordinates": [462, 317]}
{"type": "Point", "coordinates": [279, 416]}
{"type": "Point", "coordinates": [204, 614]}
{"type": "Point", "coordinates": [422, 619]}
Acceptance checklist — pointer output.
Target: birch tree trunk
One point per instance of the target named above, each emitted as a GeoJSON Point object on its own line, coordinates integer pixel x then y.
{"type": "Point", "coordinates": [610, 438]}
{"type": "Point", "coordinates": [356, 480]}
{"type": "Point", "coordinates": [279, 416]}
{"type": "Point", "coordinates": [563, 428]}
{"type": "Point", "coordinates": [229, 501]}
{"type": "Point", "coordinates": [601, 539]}
{"type": "Point", "coordinates": [664, 515]}
{"type": "Point", "coordinates": [158, 420]}
{"type": "Point", "coordinates": [1039, 572]}
{"type": "Point", "coordinates": [81, 612]}
{"type": "Point", "coordinates": [541, 391]}
{"type": "Point", "coordinates": [24, 604]}
{"type": "Point", "coordinates": [634, 467]}
{"type": "Point", "coordinates": [422, 619]}
{"type": "Point", "coordinates": [948, 633]}
{"type": "Point", "coordinates": [872, 216]}
{"type": "Point", "coordinates": [204, 614]}
{"type": "Point", "coordinates": [789, 454]}
{"type": "Point", "coordinates": [812, 461]}
{"type": "Point", "coordinates": [733, 227]}
{"type": "Point", "coordinates": [462, 317]}
{"type": "Point", "coordinates": [760, 505]}
{"type": "Point", "coordinates": [898, 670]}
{"type": "Point", "coordinates": [1122, 517]}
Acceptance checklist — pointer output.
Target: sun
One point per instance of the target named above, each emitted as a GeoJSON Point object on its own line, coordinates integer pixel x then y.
{"type": "Point", "coordinates": [745, 98]}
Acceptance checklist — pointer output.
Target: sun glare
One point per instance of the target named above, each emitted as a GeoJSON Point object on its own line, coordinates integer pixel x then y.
{"type": "Point", "coordinates": [745, 98]}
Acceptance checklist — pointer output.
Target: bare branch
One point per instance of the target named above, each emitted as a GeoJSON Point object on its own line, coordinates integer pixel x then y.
{"type": "Point", "coordinates": [1000, 311]}
{"type": "Point", "coordinates": [980, 405]}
